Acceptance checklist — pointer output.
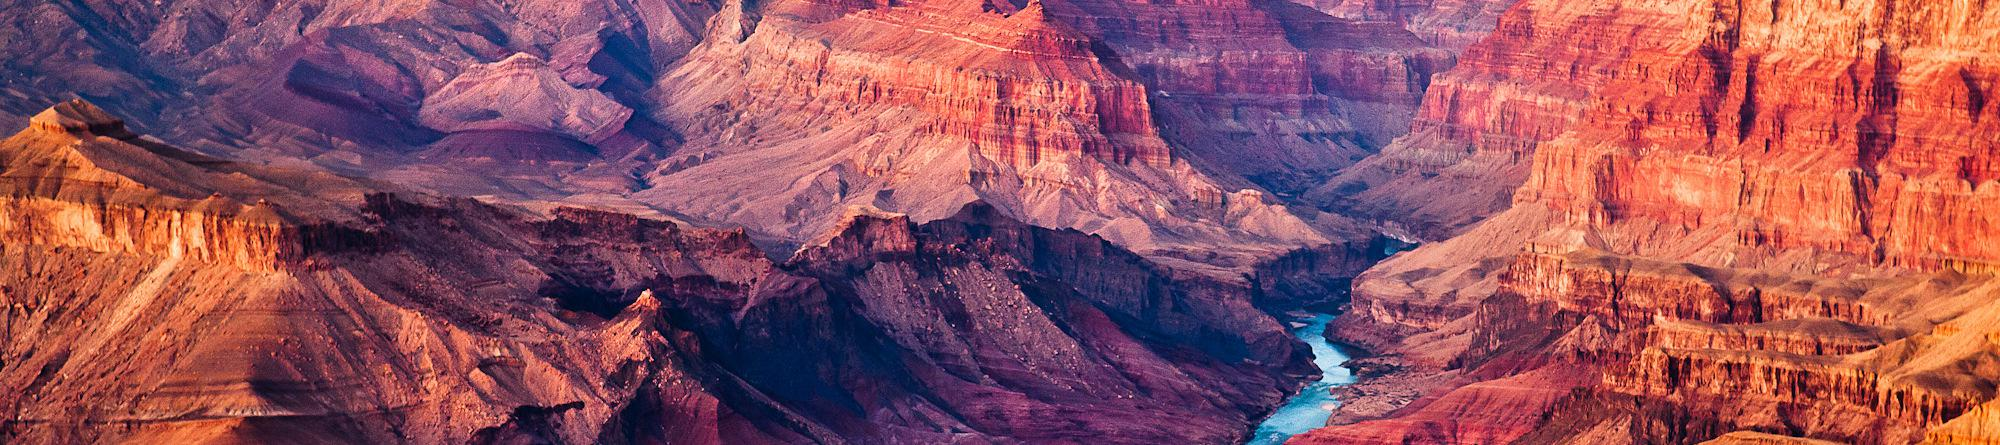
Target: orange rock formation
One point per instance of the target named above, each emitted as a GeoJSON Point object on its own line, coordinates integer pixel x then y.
{"type": "Point", "coordinates": [1762, 217]}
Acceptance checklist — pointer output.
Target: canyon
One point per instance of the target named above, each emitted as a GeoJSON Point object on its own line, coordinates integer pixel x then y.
{"type": "Point", "coordinates": [1067, 114]}
{"type": "Point", "coordinates": [1756, 224]}
{"type": "Point", "coordinates": [999, 221]}
{"type": "Point", "coordinates": [252, 303]}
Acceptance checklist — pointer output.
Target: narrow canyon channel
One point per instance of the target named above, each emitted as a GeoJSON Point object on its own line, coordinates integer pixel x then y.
{"type": "Point", "coordinates": [1310, 408]}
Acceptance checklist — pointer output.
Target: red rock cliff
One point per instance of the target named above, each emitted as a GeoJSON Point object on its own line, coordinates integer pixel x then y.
{"type": "Point", "coordinates": [1758, 209]}
{"type": "Point", "coordinates": [344, 310]}
{"type": "Point", "coordinates": [1473, 135]}
{"type": "Point", "coordinates": [1273, 91]}
{"type": "Point", "coordinates": [1014, 107]}
{"type": "Point", "coordinates": [1858, 128]}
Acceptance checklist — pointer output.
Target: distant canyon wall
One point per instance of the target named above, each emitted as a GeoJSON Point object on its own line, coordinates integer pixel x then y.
{"type": "Point", "coordinates": [1768, 208]}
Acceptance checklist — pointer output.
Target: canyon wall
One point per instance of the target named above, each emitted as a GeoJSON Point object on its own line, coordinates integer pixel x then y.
{"type": "Point", "coordinates": [147, 302]}
{"type": "Point", "coordinates": [1031, 109]}
{"type": "Point", "coordinates": [1172, 129]}
{"type": "Point", "coordinates": [1474, 134]}
{"type": "Point", "coordinates": [1646, 222]}
{"type": "Point", "coordinates": [1273, 91]}
{"type": "Point", "coordinates": [367, 85]}
{"type": "Point", "coordinates": [1874, 145]}
{"type": "Point", "coordinates": [1761, 217]}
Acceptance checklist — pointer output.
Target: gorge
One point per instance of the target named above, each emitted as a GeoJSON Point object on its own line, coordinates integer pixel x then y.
{"type": "Point", "coordinates": [1000, 221]}
{"type": "Point", "coordinates": [1310, 408]}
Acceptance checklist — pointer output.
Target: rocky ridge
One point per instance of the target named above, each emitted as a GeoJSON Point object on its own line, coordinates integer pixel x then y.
{"type": "Point", "coordinates": [1012, 107]}
{"type": "Point", "coordinates": [1694, 259]}
{"type": "Point", "coordinates": [159, 295]}
{"type": "Point", "coordinates": [1172, 135]}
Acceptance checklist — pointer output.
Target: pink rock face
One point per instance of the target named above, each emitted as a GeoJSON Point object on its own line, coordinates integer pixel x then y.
{"type": "Point", "coordinates": [1272, 91]}
{"type": "Point", "coordinates": [372, 312]}
{"type": "Point", "coordinates": [1171, 129]}
{"type": "Point", "coordinates": [140, 287]}
{"type": "Point", "coordinates": [1022, 89]}
{"type": "Point", "coordinates": [1012, 107]}
{"type": "Point", "coordinates": [1670, 221]}
{"type": "Point", "coordinates": [522, 92]}
{"type": "Point", "coordinates": [1743, 227]}
{"type": "Point", "coordinates": [1489, 412]}
{"type": "Point", "coordinates": [219, 49]}
{"type": "Point", "coordinates": [1473, 137]}
{"type": "Point", "coordinates": [224, 298]}
{"type": "Point", "coordinates": [80, 179]}
{"type": "Point", "coordinates": [1875, 144]}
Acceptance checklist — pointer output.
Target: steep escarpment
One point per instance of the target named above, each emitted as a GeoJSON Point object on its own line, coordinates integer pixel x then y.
{"type": "Point", "coordinates": [1826, 355]}
{"type": "Point", "coordinates": [156, 295]}
{"type": "Point", "coordinates": [1763, 219]}
{"type": "Point", "coordinates": [1008, 81]}
{"type": "Point", "coordinates": [1172, 129]}
{"type": "Point", "coordinates": [146, 304]}
{"type": "Point", "coordinates": [1646, 345]}
{"type": "Point", "coordinates": [1008, 106]}
{"type": "Point", "coordinates": [1273, 91]}
{"type": "Point", "coordinates": [78, 178]}
{"type": "Point", "coordinates": [1474, 134]}
{"type": "Point", "coordinates": [974, 326]}
{"type": "Point", "coordinates": [1874, 146]}
{"type": "Point", "coordinates": [401, 90]}
{"type": "Point", "coordinates": [212, 46]}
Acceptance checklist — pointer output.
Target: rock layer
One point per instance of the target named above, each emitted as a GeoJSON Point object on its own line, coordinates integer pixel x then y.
{"type": "Point", "coordinates": [146, 302]}
{"type": "Point", "coordinates": [1272, 91]}
{"type": "Point", "coordinates": [1474, 134]}
{"type": "Point", "coordinates": [1451, 24]}
{"type": "Point", "coordinates": [1015, 107]}
{"type": "Point", "coordinates": [1171, 129]}
{"type": "Point", "coordinates": [1761, 217]}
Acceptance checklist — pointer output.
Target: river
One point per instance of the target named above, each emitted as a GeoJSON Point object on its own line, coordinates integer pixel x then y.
{"type": "Point", "coordinates": [1313, 405]}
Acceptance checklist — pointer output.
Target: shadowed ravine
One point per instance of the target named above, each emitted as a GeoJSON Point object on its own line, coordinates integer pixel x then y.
{"type": "Point", "coordinates": [1309, 408]}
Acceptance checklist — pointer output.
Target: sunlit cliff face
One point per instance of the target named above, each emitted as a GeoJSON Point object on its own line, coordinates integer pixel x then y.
{"type": "Point", "coordinates": [989, 221]}
{"type": "Point", "coordinates": [1174, 130]}
{"type": "Point", "coordinates": [1754, 209]}
{"type": "Point", "coordinates": [413, 317]}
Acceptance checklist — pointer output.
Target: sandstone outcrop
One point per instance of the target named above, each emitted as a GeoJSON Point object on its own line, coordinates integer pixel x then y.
{"type": "Point", "coordinates": [344, 83]}
{"type": "Point", "coordinates": [1474, 134]}
{"type": "Point", "coordinates": [1171, 129]}
{"type": "Point", "coordinates": [1016, 107]}
{"type": "Point", "coordinates": [1744, 226]}
{"type": "Point", "coordinates": [1273, 91]}
{"type": "Point", "coordinates": [1892, 107]}
{"type": "Point", "coordinates": [522, 92]}
{"type": "Point", "coordinates": [1672, 221]}
{"type": "Point", "coordinates": [78, 178]}
{"type": "Point", "coordinates": [153, 294]}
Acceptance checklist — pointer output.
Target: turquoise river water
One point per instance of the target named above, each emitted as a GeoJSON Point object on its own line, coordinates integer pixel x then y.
{"type": "Point", "coordinates": [1314, 404]}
